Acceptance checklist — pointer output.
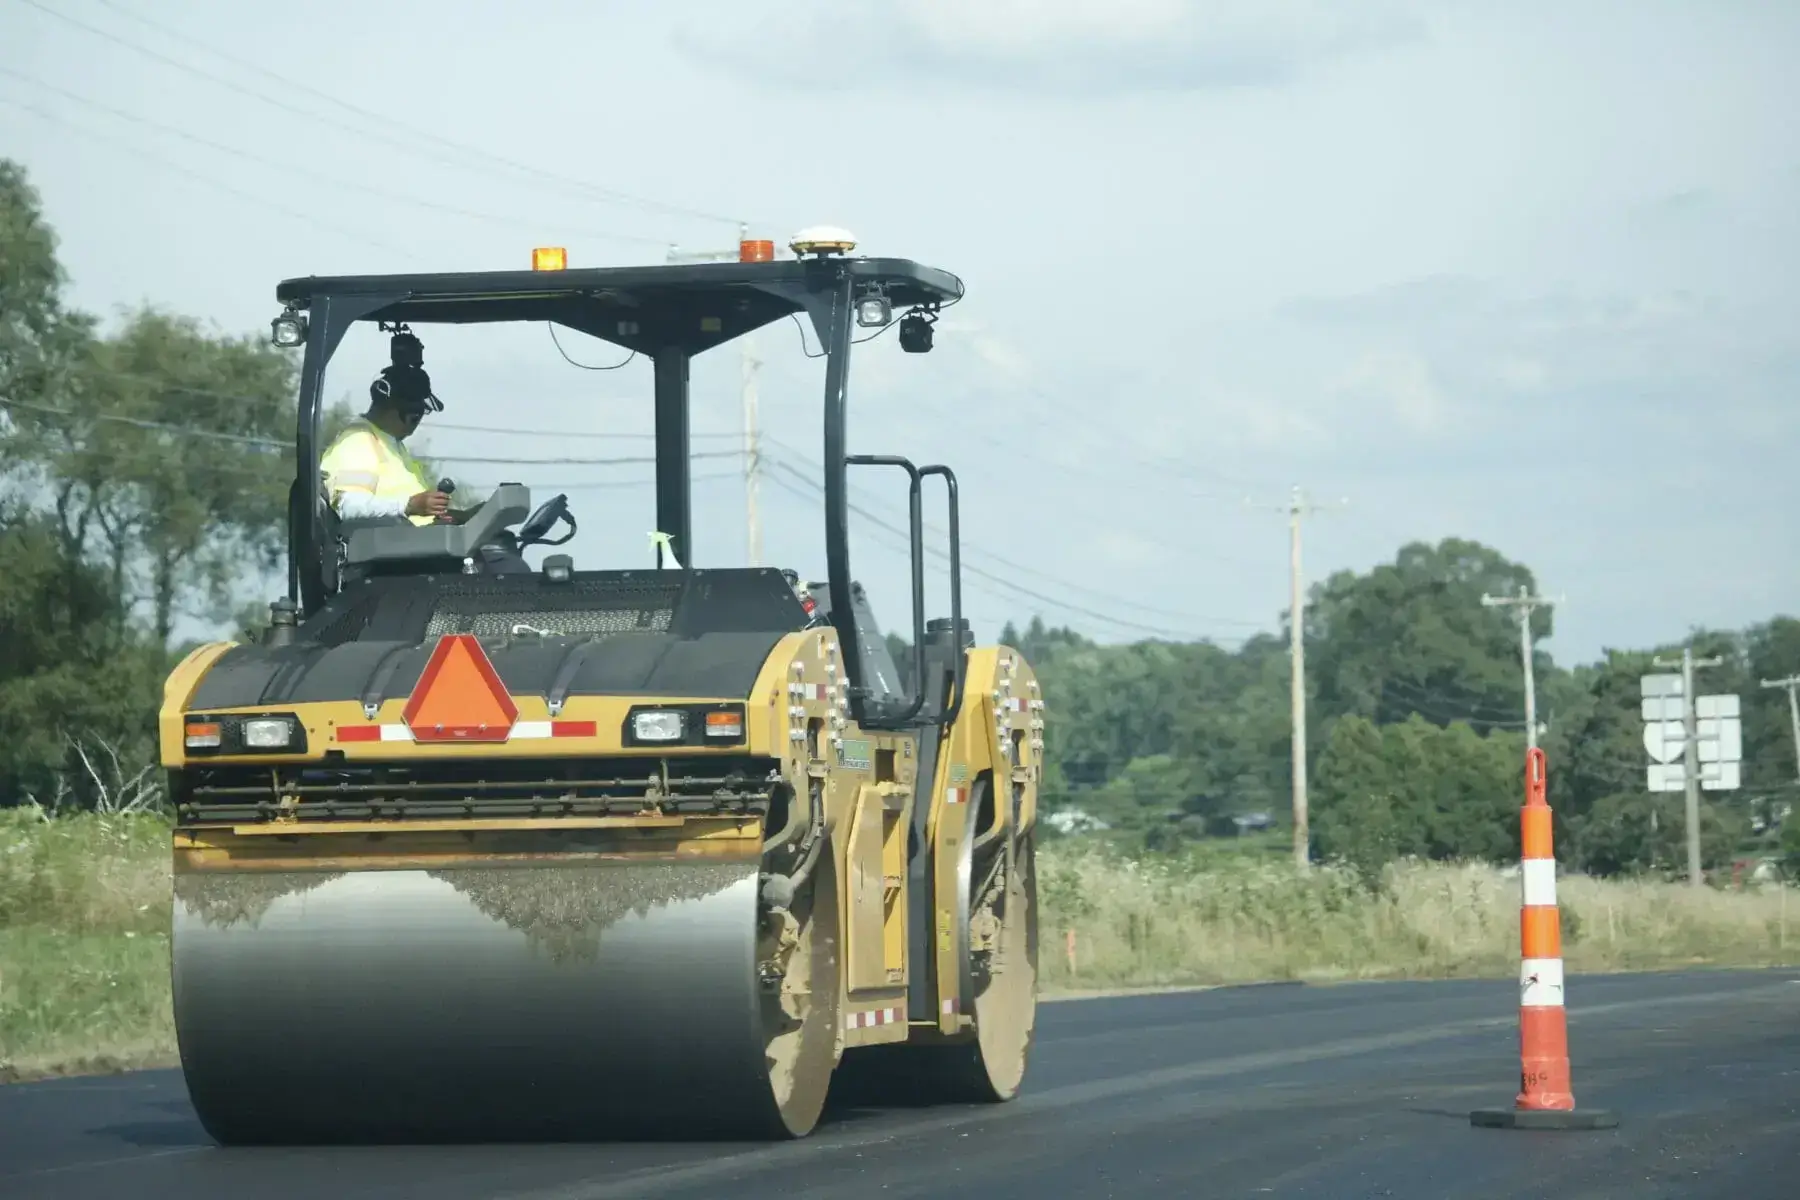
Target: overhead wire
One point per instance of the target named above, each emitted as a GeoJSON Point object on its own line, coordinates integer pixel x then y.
{"type": "Point", "coordinates": [1096, 593]}
{"type": "Point", "coordinates": [194, 431]}
{"type": "Point", "coordinates": [589, 190]}
{"type": "Point", "coordinates": [995, 579]}
{"type": "Point", "coordinates": [304, 173]}
{"type": "Point", "coordinates": [184, 390]}
{"type": "Point", "coordinates": [202, 177]}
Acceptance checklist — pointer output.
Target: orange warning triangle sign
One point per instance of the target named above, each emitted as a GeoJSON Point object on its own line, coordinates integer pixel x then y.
{"type": "Point", "coordinates": [459, 697]}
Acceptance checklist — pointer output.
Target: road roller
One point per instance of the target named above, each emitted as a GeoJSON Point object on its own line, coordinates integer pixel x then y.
{"type": "Point", "coordinates": [474, 844]}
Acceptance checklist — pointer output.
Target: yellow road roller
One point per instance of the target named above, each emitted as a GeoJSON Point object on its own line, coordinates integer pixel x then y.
{"type": "Point", "coordinates": [469, 847]}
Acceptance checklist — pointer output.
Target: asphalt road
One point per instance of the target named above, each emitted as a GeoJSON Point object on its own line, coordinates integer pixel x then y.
{"type": "Point", "coordinates": [1343, 1092]}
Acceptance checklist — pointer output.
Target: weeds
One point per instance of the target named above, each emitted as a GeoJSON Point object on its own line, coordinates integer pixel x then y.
{"type": "Point", "coordinates": [84, 927]}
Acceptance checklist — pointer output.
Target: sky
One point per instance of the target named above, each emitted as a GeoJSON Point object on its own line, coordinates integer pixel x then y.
{"type": "Point", "coordinates": [1523, 274]}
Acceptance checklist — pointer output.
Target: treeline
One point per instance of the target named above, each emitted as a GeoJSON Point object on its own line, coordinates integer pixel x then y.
{"type": "Point", "coordinates": [1416, 729]}
{"type": "Point", "coordinates": [144, 473]}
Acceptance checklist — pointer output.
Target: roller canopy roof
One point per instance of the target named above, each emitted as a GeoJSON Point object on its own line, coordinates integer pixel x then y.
{"type": "Point", "coordinates": [644, 307]}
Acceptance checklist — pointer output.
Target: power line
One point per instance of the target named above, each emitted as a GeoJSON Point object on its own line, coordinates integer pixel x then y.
{"type": "Point", "coordinates": [997, 580]}
{"type": "Point", "coordinates": [404, 144]}
{"type": "Point", "coordinates": [331, 181]}
{"type": "Point", "coordinates": [1020, 567]}
{"type": "Point", "coordinates": [183, 390]}
{"type": "Point", "coordinates": [277, 444]}
{"type": "Point", "coordinates": [276, 205]}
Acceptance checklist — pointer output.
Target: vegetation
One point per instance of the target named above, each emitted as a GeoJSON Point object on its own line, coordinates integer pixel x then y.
{"type": "Point", "coordinates": [1416, 731]}
{"type": "Point", "coordinates": [143, 475]}
{"type": "Point", "coordinates": [84, 943]}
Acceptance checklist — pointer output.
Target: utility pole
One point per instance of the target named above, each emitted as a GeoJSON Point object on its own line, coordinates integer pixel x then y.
{"type": "Point", "coordinates": [1690, 727]}
{"type": "Point", "coordinates": [747, 390]}
{"type": "Point", "coordinates": [1790, 683]}
{"type": "Point", "coordinates": [1524, 603]}
{"type": "Point", "coordinates": [1297, 507]}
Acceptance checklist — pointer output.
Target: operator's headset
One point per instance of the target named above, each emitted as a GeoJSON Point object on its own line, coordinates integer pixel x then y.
{"type": "Point", "coordinates": [406, 368]}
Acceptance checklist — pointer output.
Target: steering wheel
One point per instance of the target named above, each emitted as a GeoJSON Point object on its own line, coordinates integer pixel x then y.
{"type": "Point", "coordinates": [543, 520]}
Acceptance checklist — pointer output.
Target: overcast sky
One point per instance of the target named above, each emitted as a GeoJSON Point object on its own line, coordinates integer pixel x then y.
{"type": "Point", "coordinates": [1522, 273]}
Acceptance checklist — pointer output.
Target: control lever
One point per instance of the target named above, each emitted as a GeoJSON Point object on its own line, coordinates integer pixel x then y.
{"type": "Point", "coordinates": [448, 487]}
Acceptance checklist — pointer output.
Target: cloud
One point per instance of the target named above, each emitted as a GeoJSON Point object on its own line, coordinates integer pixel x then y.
{"type": "Point", "coordinates": [1074, 47]}
{"type": "Point", "coordinates": [1673, 359]}
{"type": "Point", "coordinates": [1398, 384]}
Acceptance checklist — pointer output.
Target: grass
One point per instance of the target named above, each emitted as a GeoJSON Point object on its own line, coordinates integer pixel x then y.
{"type": "Point", "coordinates": [1171, 922]}
{"type": "Point", "coordinates": [84, 910]}
{"type": "Point", "coordinates": [84, 949]}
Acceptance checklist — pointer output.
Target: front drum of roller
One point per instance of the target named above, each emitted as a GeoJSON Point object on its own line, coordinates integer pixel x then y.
{"type": "Point", "coordinates": [554, 1001]}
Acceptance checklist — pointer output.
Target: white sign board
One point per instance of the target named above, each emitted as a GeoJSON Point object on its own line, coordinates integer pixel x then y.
{"type": "Point", "coordinates": [1718, 737]}
{"type": "Point", "coordinates": [1663, 741]}
{"type": "Point", "coordinates": [1720, 776]}
{"type": "Point", "coordinates": [1721, 740]}
{"type": "Point", "coordinates": [1716, 706]}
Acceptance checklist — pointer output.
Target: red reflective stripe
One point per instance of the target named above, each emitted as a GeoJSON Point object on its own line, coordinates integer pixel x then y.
{"type": "Point", "coordinates": [574, 729]}
{"type": "Point", "coordinates": [359, 733]}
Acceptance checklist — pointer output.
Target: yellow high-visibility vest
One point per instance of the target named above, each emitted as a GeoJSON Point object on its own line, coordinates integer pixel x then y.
{"type": "Point", "coordinates": [366, 459]}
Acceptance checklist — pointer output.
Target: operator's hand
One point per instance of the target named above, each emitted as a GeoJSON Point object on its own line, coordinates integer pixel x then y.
{"type": "Point", "coordinates": [427, 504]}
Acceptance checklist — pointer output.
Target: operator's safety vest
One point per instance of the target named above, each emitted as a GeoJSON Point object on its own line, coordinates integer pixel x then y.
{"type": "Point", "coordinates": [366, 459]}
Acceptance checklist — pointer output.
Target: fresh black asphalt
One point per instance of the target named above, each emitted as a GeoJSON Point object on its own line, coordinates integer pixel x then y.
{"type": "Point", "coordinates": [1351, 1091]}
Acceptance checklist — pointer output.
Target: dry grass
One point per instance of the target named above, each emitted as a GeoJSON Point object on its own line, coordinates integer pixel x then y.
{"type": "Point", "coordinates": [84, 911]}
{"type": "Point", "coordinates": [1162, 923]}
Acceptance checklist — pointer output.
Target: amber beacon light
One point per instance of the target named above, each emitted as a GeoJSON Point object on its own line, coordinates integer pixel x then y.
{"type": "Point", "coordinates": [549, 258]}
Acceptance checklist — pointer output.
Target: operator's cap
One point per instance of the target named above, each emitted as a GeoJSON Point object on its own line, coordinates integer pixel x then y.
{"type": "Point", "coordinates": [406, 387]}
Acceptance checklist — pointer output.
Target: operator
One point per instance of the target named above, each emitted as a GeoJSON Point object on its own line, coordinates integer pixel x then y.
{"type": "Point", "coordinates": [369, 472]}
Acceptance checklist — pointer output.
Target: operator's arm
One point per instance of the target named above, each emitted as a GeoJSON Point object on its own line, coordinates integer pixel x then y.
{"type": "Point", "coordinates": [358, 505]}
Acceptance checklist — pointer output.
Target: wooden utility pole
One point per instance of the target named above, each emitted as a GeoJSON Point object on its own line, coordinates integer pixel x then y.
{"type": "Point", "coordinates": [1790, 683]}
{"type": "Point", "coordinates": [1297, 507]}
{"type": "Point", "coordinates": [1524, 603]}
{"type": "Point", "coordinates": [1690, 727]}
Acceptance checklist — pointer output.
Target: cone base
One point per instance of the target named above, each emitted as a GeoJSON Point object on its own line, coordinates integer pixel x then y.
{"type": "Point", "coordinates": [1544, 1118]}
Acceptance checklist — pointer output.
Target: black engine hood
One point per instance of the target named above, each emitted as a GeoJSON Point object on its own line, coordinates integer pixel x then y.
{"type": "Point", "coordinates": [697, 633]}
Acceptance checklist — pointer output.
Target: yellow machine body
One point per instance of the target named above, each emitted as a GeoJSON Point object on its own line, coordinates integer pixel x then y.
{"type": "Point", "coordinates": [279, 1008]}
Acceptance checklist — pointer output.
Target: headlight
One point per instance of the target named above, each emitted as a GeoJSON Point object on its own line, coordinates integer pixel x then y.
{"type": "Point", "coordinates": [658, 726]}
{"type": "Point", "coordinates": [213, 734]}
{"type": "Point", "coordinates": [709, 724]}
{"type": "Point", "coordinates": [269, 733]}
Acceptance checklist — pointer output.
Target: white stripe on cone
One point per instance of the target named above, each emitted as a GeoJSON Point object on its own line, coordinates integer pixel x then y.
{"type": "Point", "coordinates": [1541, 983]}
{"type": "Point", "coordinates": [1539, 875]}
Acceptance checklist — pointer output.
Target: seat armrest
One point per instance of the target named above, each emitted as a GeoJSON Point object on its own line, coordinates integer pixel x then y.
{"type": "Point", "coordinates": [405, 542]}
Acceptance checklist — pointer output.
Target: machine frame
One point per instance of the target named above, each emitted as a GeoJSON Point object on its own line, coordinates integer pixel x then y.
{"type": "Point", "coordinates": [877, 835]}
{"type": "Point", "coordinates": [671, 314]}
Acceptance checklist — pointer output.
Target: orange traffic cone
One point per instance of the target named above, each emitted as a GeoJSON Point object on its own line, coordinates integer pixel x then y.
{"type": "Point", "coordinates": [1546, 1098]}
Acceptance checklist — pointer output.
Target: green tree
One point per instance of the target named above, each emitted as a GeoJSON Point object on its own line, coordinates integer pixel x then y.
{"type": "Point", "coordinates": [172, 464]}
{"type": "Point", "coordinates": [67, 675]}
{"type": "Point", "coordinates": [1413, 637]}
